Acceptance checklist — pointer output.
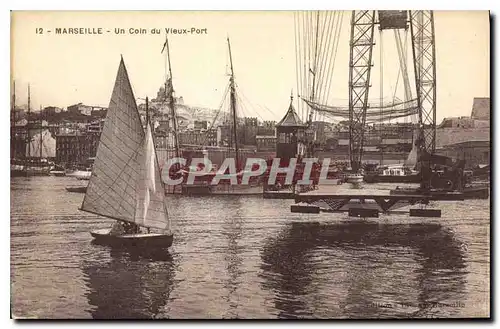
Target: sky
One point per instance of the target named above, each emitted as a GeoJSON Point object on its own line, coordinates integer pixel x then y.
{"type": "Point", "coordinates": [67, 69]}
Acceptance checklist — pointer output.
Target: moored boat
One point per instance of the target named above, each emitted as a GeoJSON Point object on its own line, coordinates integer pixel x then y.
{"type": "Point", "coordinates": [17, 168]}
{"type": "Point", "coordinates": [469, 193]}
{"type": "Point", "coordinates": [398, 173]}
{"type": "Point", "coordinates": [82, 174]}
{"type": "Point", "coordinates": [76, 189]}
{"type": "Point", "coordinates": [354, 178]}
{"type": "Point", "coordinates": [58, 171]}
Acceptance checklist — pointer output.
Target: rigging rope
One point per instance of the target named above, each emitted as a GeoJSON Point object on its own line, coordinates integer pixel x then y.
{"type": "Point", "coordinates": [389, 109]}
{"type": "Point", "coordinates": [316, 42]}
{"type": "Point", "coordinates": [335, 50]}
{"type": "Point", "coordinates": [297, 65]}
{"type": "Point", "coordinates": [217, 114]}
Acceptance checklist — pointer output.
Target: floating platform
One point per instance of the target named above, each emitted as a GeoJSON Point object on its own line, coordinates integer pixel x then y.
{"type": "Point", "coordinates": [425, 212]}
{"type": "Point", "coordinates": [365, 205]}
{"type": "Point", "coordinates": [363, 213]}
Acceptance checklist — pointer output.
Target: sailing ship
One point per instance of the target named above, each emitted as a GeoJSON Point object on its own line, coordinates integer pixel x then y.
{"type": "Point", "coordinates": [35, 160]}
{"type": "Point", "coordinates": [203, 184]}
{"type": "Point", "coordinates": [125, 184]}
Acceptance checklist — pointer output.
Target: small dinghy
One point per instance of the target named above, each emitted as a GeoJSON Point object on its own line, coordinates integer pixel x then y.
{"type": "Point", "coordinates": [76, 189]}
{"type": "Point", "coordinates": [125, 184]}
{"type": "Point", "coordinates": [58, 171]}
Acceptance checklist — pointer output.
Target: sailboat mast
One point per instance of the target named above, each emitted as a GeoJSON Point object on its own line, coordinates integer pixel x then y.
{"type": "Point", "coordinates": [13, 122]}
{"type": "Point", "coordinates": [315, 59]}
{"type": "Point", "coordinates": [28, 140]}
{"type": "Point", "coordinates": [172, 101]}
{"type": "Point", "coordinates": [41, 131]}
{"type": "Point", "coordinates": [147, 111]}
{"type": "Point", "coordinates": [233, 107]}
{"type": "Point", "coordinates": [14, 101]}
{"type": "Point", "coordinates": [313, 87]}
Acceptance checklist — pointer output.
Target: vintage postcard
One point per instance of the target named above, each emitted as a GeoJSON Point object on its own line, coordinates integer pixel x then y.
{"type": "Point", "coordinates": [250, 165]}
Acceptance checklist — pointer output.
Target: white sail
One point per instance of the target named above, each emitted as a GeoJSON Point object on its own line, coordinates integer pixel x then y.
{"type": "Point", "coordinates": [45, 141]}
{"type": "Point", "coordinates": [119, 169]}
{"type": "Point", "coordinates": [411, 160]}
{"type": "Point", "coordinates": [150, 194]}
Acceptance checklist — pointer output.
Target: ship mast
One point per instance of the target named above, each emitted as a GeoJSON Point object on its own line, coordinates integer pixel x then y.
{"type": "Point", "coordinates": [28, 140]}
{"type": "Point", "coordinates": [313, 87]}
{"type": "Point", "coordinates": [172, 100]}
{"type": "Point", "coordinates": [233, 107]}
{"type": "Point", "coordinates": [13, 122]}
{"type": "Point", "coordinates": [147, 111]}
{"type": "Point", "coordinates": [41, 132]}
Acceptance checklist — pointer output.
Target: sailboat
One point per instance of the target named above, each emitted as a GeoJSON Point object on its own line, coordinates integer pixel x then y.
{"type": "Point", "coordinates": [125, 184]}
{"type": "Point", "coordinates": [35, 159]}
{"type": "Point", "coordinates": [203, 185]}
{"type": "Point", "coordinates": [398, 173]}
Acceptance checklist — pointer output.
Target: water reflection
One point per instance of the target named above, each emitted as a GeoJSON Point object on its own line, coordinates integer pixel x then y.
{"type": "Point", "coordinates": [232, 231]}
{"type": "Point", "coordinates": [126, 284]}
{"type": "Point", "coordinates": [374, 270]}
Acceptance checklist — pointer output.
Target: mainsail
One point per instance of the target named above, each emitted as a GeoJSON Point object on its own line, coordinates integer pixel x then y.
{"type": "Point", "coordinates": [412, 159]}
{"type": "Point", "coordinates": [125, 182]}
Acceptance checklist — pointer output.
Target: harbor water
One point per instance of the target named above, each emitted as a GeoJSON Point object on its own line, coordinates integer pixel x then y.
{"type": "Point", "coordinates": [247, 257]}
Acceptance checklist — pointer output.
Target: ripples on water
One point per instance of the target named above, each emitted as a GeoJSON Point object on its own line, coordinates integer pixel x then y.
{"type": "Point", "coordinates": [247, 257]}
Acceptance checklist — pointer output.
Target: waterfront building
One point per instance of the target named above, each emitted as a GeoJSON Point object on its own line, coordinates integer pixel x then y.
{"type": "Point", "coordinates": [75, 148]}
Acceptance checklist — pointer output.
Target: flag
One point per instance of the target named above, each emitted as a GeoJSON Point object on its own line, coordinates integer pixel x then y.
{"type": "Point", "coordinates": [164, 45]}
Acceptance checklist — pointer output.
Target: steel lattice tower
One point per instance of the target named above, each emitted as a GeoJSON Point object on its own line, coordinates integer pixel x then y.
{"type": "Point", "coordinates": [360, 63]}
{"type": "Point", "coordinates": [424, 61]}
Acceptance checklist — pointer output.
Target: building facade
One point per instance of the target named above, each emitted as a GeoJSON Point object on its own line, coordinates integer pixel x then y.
{"type": "Point", "coordinates": [474, 153]}
{"type": "Point", "coordinates": [73, 149]}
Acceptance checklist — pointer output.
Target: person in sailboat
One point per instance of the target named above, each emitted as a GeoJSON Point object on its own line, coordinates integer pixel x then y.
{"type": "Point", "coordinates": [121, 228]}
{"type": "Point", "coordinates": [118, 228]}
{"type": "Point", "coordinates": [132, 228]}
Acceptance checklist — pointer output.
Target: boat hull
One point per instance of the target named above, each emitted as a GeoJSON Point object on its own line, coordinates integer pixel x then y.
{"type": "Point", "coordinates": [58, 173]}
{"type": "Point", "coordinates": [142, 240]}
{"type": "Point", "coordinates": [80, 174]}
{"type": "Point", "coordinates": [209, 190]}
{"type": "Point", "coordinates": [77, 189]}
{"type": "Point", "coordinates": [29, 172]}
{"type": "Point", "coordinates": [354, 179]}
{"type": "Point", "coordinates": [18, 173]}
{"type": "Point", "coordinates": [392, 179]}
{"type": "Point", "coordinates": [479, 193]}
